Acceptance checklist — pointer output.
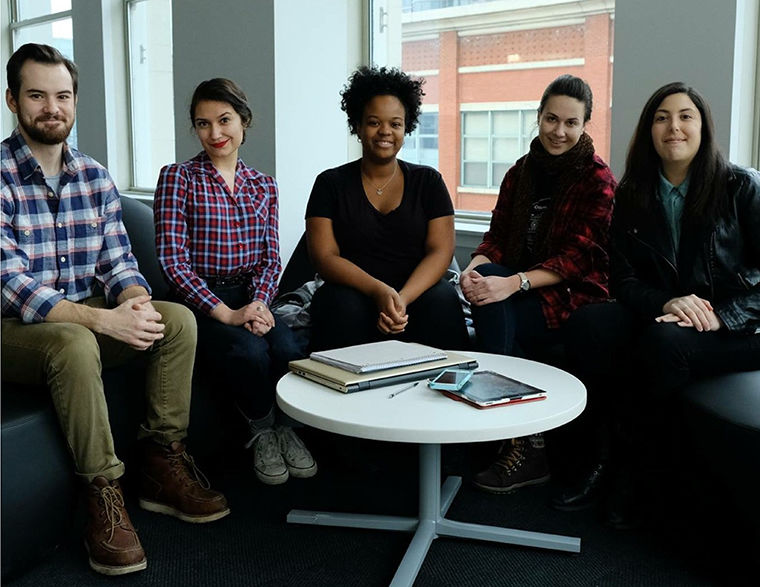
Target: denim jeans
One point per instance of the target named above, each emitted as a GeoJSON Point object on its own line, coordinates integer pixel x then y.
{"type": "Point", "coordinates": [515, 326]}
{"type": "Point", "coordinates": [68, 359]}
{"type": "Point", "coordinates": [246, 367]}
{"type": "Point", "coordinates": [633, 371]}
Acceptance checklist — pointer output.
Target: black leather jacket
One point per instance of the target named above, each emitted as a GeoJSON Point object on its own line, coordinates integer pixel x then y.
{"type": "Point", "coordinates": [720, 263]}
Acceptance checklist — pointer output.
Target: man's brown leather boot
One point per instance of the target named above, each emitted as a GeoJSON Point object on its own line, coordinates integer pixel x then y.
{"type": "Point", "coordinates": [110, 539]}
{"type": "Point", "coordinates": [172, 484]}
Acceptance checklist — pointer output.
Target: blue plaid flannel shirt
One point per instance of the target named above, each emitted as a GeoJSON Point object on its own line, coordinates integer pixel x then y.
{"type": "Point", "coordinates": [60, 246]}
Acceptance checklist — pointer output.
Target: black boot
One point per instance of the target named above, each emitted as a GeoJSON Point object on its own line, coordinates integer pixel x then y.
{"type": "Point", "coordinates": [583, 494]}
{"type": "Point", "coordinates": [521, 462]}
{"type": "Point", "coordinates": [623, 509]}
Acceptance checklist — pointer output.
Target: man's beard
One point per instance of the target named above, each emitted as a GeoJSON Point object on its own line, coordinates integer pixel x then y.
{"type": "Point", "coordinates": [47, 136]}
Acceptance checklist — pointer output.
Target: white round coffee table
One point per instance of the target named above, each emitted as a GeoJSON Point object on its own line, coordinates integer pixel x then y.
{"type": "Point", "coordinates": [428, 418]}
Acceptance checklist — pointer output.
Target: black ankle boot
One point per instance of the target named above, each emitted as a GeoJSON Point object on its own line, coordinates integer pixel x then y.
{"type": "Point", "coordinates": [521, 462]}
{"type": "Point", "coordinates": [626, 507]}
{"type": "Point", "coordinates": [585, 493]}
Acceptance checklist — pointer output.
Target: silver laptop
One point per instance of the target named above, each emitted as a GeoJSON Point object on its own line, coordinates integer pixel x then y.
{"type": "Point", "coordinates": [348, 382]}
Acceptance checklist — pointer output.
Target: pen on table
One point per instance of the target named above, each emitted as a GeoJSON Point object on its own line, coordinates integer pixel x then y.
{"type": "Point", "coordinates": [403, 389]}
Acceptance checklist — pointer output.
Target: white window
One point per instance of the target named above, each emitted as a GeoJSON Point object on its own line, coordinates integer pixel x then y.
{"type": "Point", "coordinates": [491, 143]}
{"type": "Point", "coordinates": [421, 146]}
{"type": "Point", "coordinates": [46, 22]}
{"type": "Point", "coordinates": [151, 104]}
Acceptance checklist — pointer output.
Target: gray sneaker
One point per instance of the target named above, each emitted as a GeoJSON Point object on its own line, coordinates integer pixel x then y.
{"type": "Point", "coordinates": [268, 462]}
{"type": "Point", "coordinates": [297, 457]}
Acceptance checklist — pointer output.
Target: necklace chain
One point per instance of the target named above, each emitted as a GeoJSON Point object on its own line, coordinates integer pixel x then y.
{"type": "Point", "coordinates": [379, 190]}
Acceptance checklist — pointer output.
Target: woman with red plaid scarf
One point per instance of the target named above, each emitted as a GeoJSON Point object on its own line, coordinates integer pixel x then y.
{"type": "Point", "coordinates": [544, 255]}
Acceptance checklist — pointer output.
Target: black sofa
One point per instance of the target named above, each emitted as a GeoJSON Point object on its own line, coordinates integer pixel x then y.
{"type": "Point", "coordinates": [722, 425]}
{"type": "Point", "coordinates": [722, 416]}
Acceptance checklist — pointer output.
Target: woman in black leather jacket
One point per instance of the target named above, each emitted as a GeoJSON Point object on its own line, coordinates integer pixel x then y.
{"type": "Point", "coordinates": [685, 272]}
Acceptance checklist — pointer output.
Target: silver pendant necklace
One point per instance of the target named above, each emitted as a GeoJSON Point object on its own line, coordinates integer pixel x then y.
{"type": "Point", "coordinates": [379, 190]}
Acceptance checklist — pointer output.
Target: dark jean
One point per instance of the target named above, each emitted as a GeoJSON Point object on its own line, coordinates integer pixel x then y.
{"type": "Point", "coordinates": [515, 326]}
{"type": "Point", "coordinates": [633, 371]}
{"type": "Point", "coordinates": [343, 316]}
{"type": "Point", "coordinates": [246, 366]}
{"type": "Point", "coordinates": [663, 357]}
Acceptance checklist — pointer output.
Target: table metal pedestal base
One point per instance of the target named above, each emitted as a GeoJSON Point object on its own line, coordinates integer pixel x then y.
{"type": "Point", "coordinates": [435, 500]}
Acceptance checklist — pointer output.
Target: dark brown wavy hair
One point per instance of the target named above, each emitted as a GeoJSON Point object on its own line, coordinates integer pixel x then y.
{"type": "Point", "coordinates": [220, 89]}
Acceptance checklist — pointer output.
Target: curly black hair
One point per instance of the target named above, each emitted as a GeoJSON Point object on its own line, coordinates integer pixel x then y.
{"type": "Point", "coordinates": [367, 82]}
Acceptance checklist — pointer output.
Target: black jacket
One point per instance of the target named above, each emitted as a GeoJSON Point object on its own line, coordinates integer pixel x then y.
{"type": "Point", "coordinates": [720, 262]}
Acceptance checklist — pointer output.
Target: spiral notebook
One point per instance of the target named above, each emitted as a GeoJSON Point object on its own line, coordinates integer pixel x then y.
{"type": "Point", "coordinates": [377, 356]}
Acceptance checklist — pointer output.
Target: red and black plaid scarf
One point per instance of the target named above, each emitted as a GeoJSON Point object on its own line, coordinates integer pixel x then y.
{"type": "Point", "coordinates": [566, 169]}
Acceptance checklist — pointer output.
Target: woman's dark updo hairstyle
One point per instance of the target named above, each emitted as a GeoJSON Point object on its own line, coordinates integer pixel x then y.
{"type": "Point", "coordinates": [367, 82]}
{"type": "Point", "coordinates": [573, 87]}
{"type": "Point", "coordinates": [706, 200]}
{"type": "Point", "coordinates": [222, 90]}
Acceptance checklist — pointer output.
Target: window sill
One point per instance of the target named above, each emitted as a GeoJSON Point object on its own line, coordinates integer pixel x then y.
{"type": "Point", "coordinates": [471, 223]}
{"type": "Point", "coordinates": [475, 190]}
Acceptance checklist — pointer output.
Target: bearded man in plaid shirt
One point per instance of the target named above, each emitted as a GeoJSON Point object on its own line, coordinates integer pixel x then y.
{"type": "Point", "coordinates": [62, 236]}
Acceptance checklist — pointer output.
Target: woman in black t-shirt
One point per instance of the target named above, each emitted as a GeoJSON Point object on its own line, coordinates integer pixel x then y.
{"type": "Point", "coordinates": [381, 231]}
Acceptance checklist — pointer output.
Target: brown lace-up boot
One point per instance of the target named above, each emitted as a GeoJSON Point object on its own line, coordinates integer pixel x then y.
{"type": "Point", "coordinates": [521, 462]}
{"type": "Point", "coordinates": [110, 539]}
{"type": "Point", "coordinates": [172, 484]}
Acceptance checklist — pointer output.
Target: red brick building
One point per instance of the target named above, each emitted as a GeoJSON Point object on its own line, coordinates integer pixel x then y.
{"type": "Point", "coordinates": [485, 73]}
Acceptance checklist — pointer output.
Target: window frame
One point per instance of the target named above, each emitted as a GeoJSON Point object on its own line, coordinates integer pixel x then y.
{"type": "Point", "coordinates": [130, 110]}
{"type": "Point", "coordinates": [16, 24]}
{"type": "Point", "coordinates": [128, 69]}
{"type": "Point", "coordinates": [523, 109]}
{"type": "Point", "coordinates": [416, 135]}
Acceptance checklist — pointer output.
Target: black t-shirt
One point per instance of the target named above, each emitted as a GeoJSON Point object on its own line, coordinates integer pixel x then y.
{"type": "Point", "coordinates": [544, 190]}
{"type": "Point", "coordinates": [387, 246]}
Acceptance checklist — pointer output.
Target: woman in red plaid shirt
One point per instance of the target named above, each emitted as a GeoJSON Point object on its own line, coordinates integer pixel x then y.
{"type": "Point", "coordinates": [544, 255]}
{"type": "Point", "coordinates": [217, 241]}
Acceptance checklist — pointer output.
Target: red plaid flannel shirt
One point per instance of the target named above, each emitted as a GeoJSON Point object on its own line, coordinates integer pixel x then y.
{"type": "Point", "coordinates": [578, 244]}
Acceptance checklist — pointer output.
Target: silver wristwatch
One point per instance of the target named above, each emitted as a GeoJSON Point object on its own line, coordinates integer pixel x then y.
{"type": "Point", "coordinates": [524, 281]}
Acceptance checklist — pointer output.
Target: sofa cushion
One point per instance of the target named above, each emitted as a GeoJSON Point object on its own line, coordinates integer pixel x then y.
{"type": "Point", "coordinates": [138, 220]}
{"type": "Point", "coordinates": [38, 488]}
{"type": "Point", "coordinates": [732, 398]}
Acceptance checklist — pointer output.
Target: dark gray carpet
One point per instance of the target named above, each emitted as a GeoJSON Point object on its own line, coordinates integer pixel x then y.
{"type": "Point", "coordinates": [255, 546]}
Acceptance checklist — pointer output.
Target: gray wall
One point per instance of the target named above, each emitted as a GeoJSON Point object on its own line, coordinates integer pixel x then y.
{"type": "Point", "coordinates": [232, 39]}
{"type": "Point", "coordinates": [91, 105]}
{"type": "Point", "coordinates": [659, 41]}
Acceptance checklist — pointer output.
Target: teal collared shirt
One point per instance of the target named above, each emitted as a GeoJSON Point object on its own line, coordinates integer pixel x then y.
{"type": "Point", "coordinates": [673, 199]}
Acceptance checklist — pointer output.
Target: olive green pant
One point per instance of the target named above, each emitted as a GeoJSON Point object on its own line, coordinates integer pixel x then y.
{"type": "Point", "coordinates": [68, 359]}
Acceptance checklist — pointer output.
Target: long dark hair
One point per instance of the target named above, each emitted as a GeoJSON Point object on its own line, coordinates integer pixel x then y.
{"type": "Point", "coordinates": [706, 200]}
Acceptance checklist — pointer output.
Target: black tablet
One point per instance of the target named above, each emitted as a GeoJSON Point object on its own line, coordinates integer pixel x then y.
{"type": "Point", "coordinates": [488, 389]}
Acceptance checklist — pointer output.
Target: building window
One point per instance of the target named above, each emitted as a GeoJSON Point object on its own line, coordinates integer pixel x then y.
{"type": "Point", "coordinates": [486, 62]}
{"type": "Point", "coordinates": [421, 146]}
{"type": "Point", "coordinates": [46, 23]}
{"type": "Point", "coordinates": [151, 103]}
{"type": "Point", "coordinates": [491, 143]}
